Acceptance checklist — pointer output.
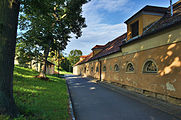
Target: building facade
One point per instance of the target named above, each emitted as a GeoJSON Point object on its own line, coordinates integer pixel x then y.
{"type": "Point", "coordinates": [38, 66]}
{"type": "Point", "coordinates": [146, 59]}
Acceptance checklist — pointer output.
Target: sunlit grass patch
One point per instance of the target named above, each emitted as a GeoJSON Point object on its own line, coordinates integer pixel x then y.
{"type": "Point", "coordinates": [38, 99]}
{"type": "Point", "coordinates": [64, 72]}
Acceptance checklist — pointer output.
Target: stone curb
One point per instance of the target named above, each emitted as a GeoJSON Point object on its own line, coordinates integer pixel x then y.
{"type": "Point", "coordinates": [169, 108]}
{"type": "Point", "coordinates": [71, 105]}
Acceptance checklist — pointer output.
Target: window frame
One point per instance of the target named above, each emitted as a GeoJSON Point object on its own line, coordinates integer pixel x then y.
{"type": "Point", "coordinates": [151, 72]}
{"type": "Point", "coordinates": [118, 68]}
{"type": "Point", "coordinates": [132, 26]}
{"type": "Point", "coordinates": [97, 69]}
{"type": "Point", "coordinates": [127, 67]}
{"type": "Point", "coordinates": [85, 69]}
{"type": "Point", "coordinates": [104, 70]}
{"type": "Point", "coordinates": [92, 69]}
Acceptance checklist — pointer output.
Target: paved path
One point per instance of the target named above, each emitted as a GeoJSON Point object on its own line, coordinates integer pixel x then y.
{"type": "Point", "coordinates": [93, 102]}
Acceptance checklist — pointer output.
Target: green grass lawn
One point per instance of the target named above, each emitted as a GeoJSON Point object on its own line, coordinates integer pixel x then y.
{"type": "Point", "coordinates": [62, 72]}
{"type": "Point", "coordinates": [38, 99]}
{"type": "Point", "coordinates": [65, 72]}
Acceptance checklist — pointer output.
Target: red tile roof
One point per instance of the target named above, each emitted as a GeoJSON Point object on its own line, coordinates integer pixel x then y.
{"type": "Point", "coordinates": [110, 47]}
{"type": "Point", "coordinates": [98, 47]}
{"type": "Point", "coordinates": [167, 20]}
{"type": "Point", "coordinates": [85, 60]}
{"type": "Point", "coordinates": [114, 46]}
{"type": "Point", "coordinates": [83, 56]}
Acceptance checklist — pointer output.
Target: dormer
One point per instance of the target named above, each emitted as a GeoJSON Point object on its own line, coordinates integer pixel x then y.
{"type": "Point", "coordinates": [143, 19]}
{"type": "Point", "coordinates": [96, 49]}
{"type": "Point", "coordinates": [82, 57]}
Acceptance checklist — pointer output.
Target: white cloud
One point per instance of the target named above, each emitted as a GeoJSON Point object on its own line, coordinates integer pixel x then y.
{"type": "Point", "coordinates": [97, 32]}
{"type": "Point", "coordinates": [111, 5]}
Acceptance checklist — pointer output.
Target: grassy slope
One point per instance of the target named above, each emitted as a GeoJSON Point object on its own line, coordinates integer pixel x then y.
{"type": "Point", "coordinates": [64, 72]}
{"type": "Point", "coordinates": [38, 99]}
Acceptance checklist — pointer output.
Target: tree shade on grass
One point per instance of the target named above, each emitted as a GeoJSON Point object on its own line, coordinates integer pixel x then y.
{"type": "Point", "coordinates": [38, 99]}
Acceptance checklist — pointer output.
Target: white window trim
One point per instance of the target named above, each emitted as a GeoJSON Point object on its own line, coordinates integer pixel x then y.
{"type": "Point", "coordinates": [103, 68]}
{"type": "Point", "coordinates": [127, 67]}
{"type": "Point", "coordinates": [96, 69]}
{"type": "Point", "coordinates": [149, 72]}
{"type": "Point", "coordinates": [118, 67]}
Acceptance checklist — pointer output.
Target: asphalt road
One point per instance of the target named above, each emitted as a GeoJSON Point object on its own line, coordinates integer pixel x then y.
{"type": "Point", "coordinates": [93, 102]}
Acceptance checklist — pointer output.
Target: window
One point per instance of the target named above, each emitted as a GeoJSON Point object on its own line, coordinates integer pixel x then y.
{"type": "Point", "coordinates": [92, 69]}
{"type": "Point", "coordinates": [97, 69]}
{"type": "Point", "coordinates": [130, 68]}
{"type": "Point", "coordinates": [84, 69]}
{"type": "Point", "coordinates": [116, 68]}
{"type": "Point", "coordinates": [135, 29]}
{"type": "Point", "coordinates": [150, 67]}
{"type": "Point", "coordinates": [104, 69]}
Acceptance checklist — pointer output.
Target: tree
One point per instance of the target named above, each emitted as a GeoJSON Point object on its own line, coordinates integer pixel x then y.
{"type": "Point", "coordinates": [9, 11]}
{"type": "Point", "coordinates": [26, 52]}
{"type": "Point", "coordinates": [74, 56]}
{"type": "Point", "coordinates": [65, 64]}
{"type": "Point", "coordinates": [52, 30]}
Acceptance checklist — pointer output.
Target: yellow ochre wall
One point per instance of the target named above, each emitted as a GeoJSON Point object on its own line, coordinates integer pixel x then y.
{"type": "Point", "coordinates": [166, 81]}
{"type": "Point", "coordinates": [144, 20]}
{"type": "Point", "coordinates": [148, 19]}
{"type": "Point", "coordinates": [96, 51]}
{"type": "Point", "coordinates": [163, 48]}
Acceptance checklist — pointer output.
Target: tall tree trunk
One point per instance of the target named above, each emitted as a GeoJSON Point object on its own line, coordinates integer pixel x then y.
{"type": "Point", "coordinates": [46, 53]}
{"type": "Point", "coordinates": [43, 72]}
{"type": "Point", "coordinates": [9, 10]}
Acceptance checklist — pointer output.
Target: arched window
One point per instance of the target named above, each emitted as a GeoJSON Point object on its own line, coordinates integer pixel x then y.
{"type": "Point", "coordinates": [116, 67]}
{"type": "Point", "coordinates": [92, 69]}
{"type": "Point", "coordinates": [97, 69]}
{"type": "Point", "coordinates": [150, 67]}
{"type": "Point", "coordinates": [104, 68]}
{"type": "Point", "coordinates": [130, 68]}
{"type": "Point", "coordinates": [84, 69]}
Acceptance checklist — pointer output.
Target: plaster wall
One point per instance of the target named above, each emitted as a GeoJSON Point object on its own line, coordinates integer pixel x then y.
{"type": "Point", "coordinates": [96, 51]}
{"type": "Point", "coordinates": [144, 20]}
{"type": "Point", "coordinates": [167, 81]}
{"type": "Point", "coordinates": [77, 70]}
{"type": "Point", "coordinates": [163, 48]}
{"type": "Point", "coordinates": [148, 19]}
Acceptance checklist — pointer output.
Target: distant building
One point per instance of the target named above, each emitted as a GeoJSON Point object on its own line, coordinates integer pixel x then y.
{"type": "Point", "coordinates": [36, 65]}
{"type": "Point", "coordinates": [50, 68]}
{"type": "Point", "coordinates": [146, 59]}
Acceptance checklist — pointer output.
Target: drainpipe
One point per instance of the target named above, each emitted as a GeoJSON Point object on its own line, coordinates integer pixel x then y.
{"type": "Point", "coordinates": [171, 8]}
{"type": "Point", "coordinates": [100, 69]}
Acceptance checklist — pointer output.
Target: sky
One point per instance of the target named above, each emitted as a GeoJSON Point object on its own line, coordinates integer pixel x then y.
{"type": "Point", "coordinates": [105, 21]}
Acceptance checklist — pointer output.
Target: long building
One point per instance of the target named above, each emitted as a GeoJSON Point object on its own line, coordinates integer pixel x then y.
{"type": "Point", "coordinates": [146, 59]}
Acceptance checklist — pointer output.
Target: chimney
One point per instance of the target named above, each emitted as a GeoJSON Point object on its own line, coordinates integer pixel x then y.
{"type": "Point", "coordinates": [171, 8]}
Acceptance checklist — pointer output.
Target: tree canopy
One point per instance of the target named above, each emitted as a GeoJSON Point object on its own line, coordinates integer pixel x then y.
{"type": "Point", "coordinates": [74, 56]}
{"type": "Point", "coordinates": [47, 24]}
{"type": "Point", "coordinates": [51, 28]}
